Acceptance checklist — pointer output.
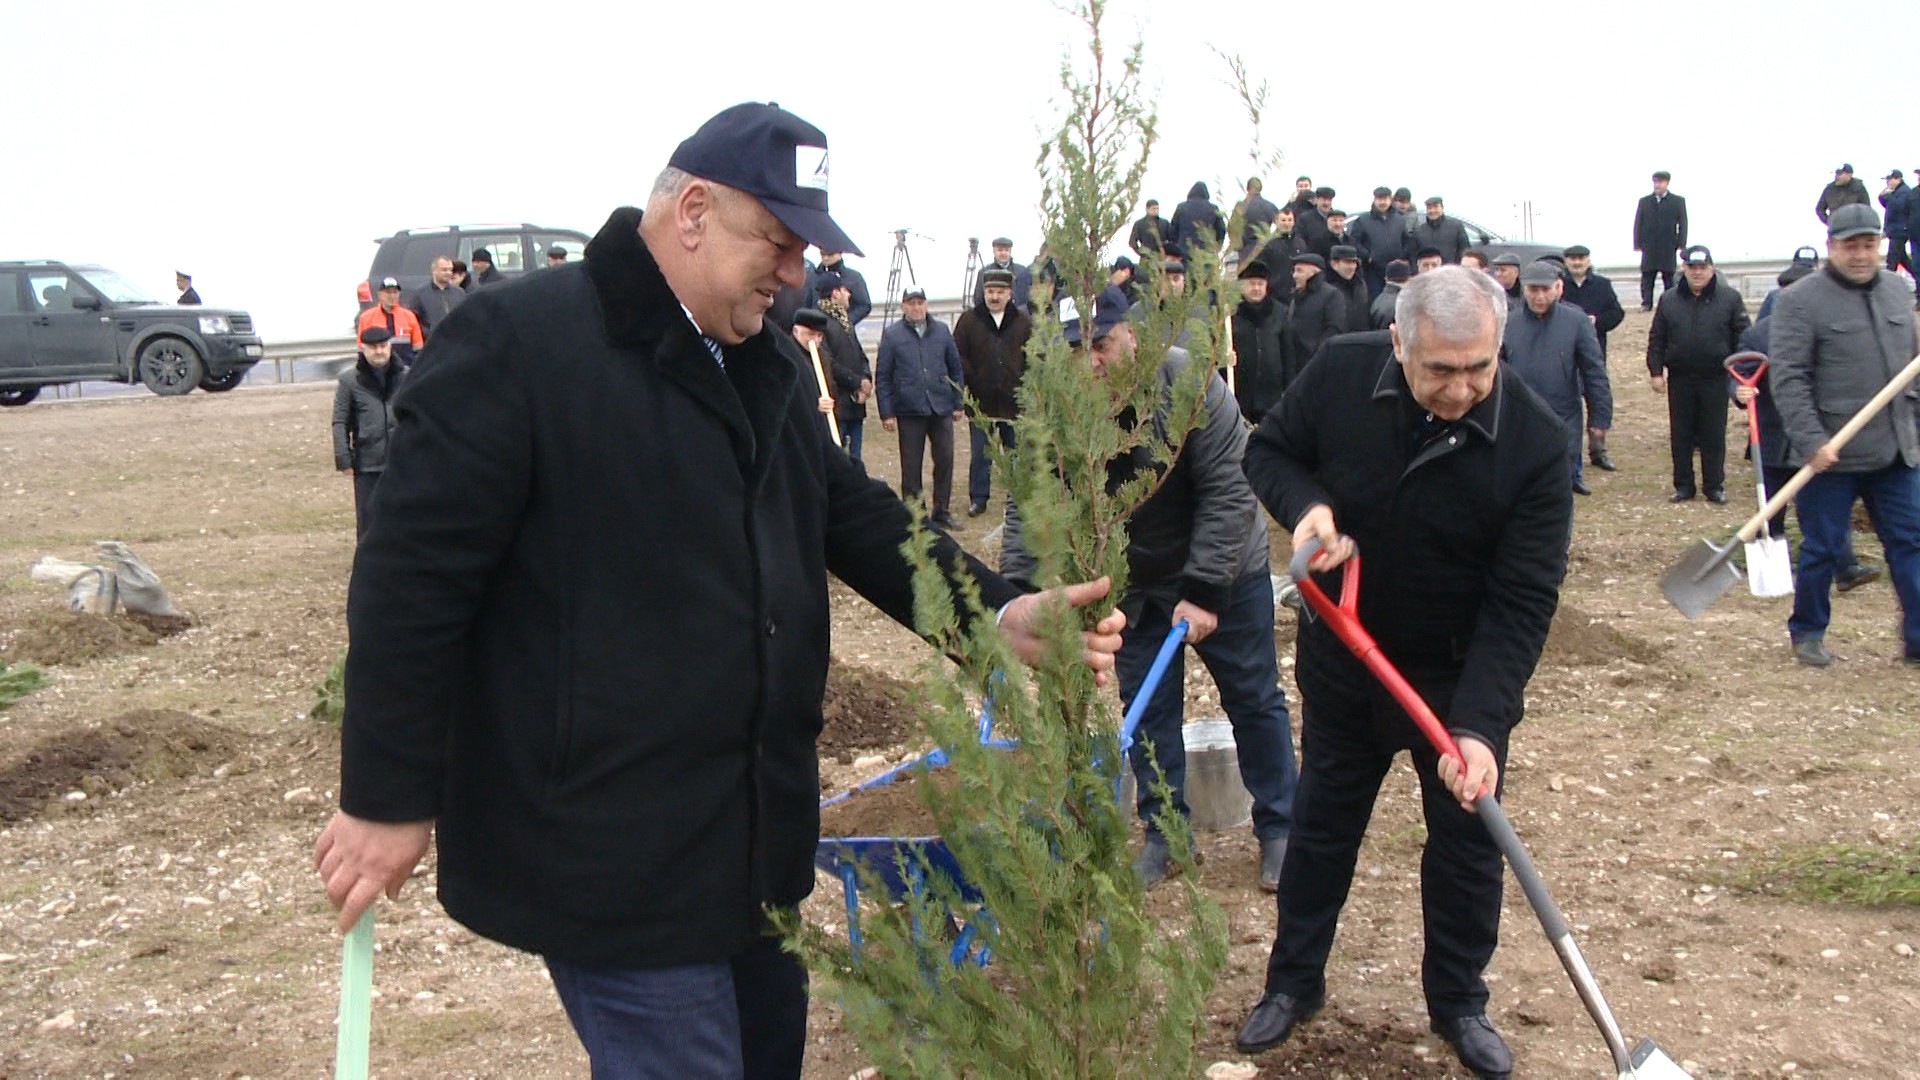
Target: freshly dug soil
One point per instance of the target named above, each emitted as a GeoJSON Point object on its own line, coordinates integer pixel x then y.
{"type": "Point", "coordinates": [864, 710]}
{"type": "Point", "coordinates": [63, 637]}
{"type": "Point", "coordinates": [889, 810]}
{"type": "Point", "coordinates": [1576, 639]}
{"type": "Point", "coordinates": [132, 747]}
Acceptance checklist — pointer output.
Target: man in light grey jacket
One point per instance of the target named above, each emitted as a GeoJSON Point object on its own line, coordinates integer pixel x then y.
{"type": "Point", "coordinates": [1838, 337]}
{"type": "Point", "coordinates": [1196, 551]}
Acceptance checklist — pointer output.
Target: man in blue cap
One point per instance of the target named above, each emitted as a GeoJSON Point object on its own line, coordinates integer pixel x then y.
{"type": "Point", "coordinates": [619, 765]}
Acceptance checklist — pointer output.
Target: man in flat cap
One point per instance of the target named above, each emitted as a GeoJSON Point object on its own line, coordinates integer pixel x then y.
{"type": "Point", "coordinates": [1506, 271]}
{"type": "Point", "coordinates": [556, 256]}
{"type": "Point", "coordinates": [1200, 548]}
{"type": "Point", "coordinates": [1022, 277]}
{"type": "Point", "coordinates": [1381, 236]}
{"type": "Point", "coordinates": [184, 282]}
{"type": "Point", "coordinates": [1846, 189]}
{"type": "Point", "coordinates": [1343, 273]}
{"type": "Point", "coordinates": [620, 765]}
{"type": "Point", "coordinates": [1838, 336]}
{"type": "Point", "coordinates": [1695, 328]}
{"type": "Point", "coordinates": [992, 339]}
{"type": "Point", "coordinates": [1659, 232]}
{"type": "Point", "coordinates": [1440, 232]}
{"type": "Point", "coordinates": [918, 383]}
{"type": "Point", "coordinates": [1897, 201]}
{"type": "Point", "coordinates": [1553, 348]}
{"type": "Point", "coordinates": [1593, 293]}
{"type": "Point", "coordinates": [1317, 310]}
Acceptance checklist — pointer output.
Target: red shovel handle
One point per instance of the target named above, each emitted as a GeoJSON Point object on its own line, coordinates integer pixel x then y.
{"type": "Point", "coordinates": [1343, 620]}
{"type": "Point", "coordinates": [1752, 379]}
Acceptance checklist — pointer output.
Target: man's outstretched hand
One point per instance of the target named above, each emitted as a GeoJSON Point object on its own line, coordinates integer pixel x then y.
{"type": "Point", "coordinates": [1018, 624]}
{"type": "Point", "coordinates": [359, 859]}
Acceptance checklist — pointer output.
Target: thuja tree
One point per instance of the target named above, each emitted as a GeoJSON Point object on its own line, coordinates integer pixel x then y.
{"type": "Point", "coordinates": [1086, 980]}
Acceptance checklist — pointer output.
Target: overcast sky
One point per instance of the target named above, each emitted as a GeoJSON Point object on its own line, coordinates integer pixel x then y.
{"type": "Point", "coordinates": [263, 147]}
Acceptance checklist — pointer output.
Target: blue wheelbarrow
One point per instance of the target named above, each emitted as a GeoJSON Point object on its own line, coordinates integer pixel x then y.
{"type": "Point", "coordinates": [899, 864]}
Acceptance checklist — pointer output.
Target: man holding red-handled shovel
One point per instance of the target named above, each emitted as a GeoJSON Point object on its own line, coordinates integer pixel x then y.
{"type": "Point", "coordinates": [1451, 476]}
{"type": "Point", "coordinates": [1838, 336]}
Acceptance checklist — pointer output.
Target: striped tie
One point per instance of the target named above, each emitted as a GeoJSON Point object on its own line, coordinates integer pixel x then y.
{"type": "Point", "coordinates": [713, 347]}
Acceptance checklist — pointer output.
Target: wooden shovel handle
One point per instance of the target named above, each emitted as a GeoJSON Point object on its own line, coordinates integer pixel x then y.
{"type": "Point", "coordinates": [820, 373]}
{"type": "Point", "coordinates": [1840, 438]}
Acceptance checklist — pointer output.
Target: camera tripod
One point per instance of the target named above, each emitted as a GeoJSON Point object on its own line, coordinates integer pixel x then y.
{"type": "Point", "coordinates": [972, 276]}
{"type": "Point", "coordinates": [901, 260]}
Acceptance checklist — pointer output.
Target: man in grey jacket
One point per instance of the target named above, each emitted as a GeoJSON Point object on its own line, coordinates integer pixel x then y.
{"type": "Point", "coordinates": [1838, 337]}
{"type": "Point", "coordinates": [1553, 348]}
{"type": "Point", "coordinates": [1196, 550]}
{"type": "Point", "coordinates": [916, 382]}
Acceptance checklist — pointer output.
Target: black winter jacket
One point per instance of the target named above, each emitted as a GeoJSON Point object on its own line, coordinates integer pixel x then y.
{"type": "Point", "coordinates": [1278, 254]}
{"type": "Point", "coordinates": [859, 300]}
{"type": "Point", "coordinates": [993, 359]}
{"type": "Point", "coordinates": [1260, 352]}
{"type": "Point", "coordinates": [432, 306]}
{"type": "Point", "coordinates": [1447, 236]}
{"type": "Point", "coordinates": [1836, 195]}
{"type": "Point", "coordinates": [1149, 236]}
{"type": "Point", "coordinates": [1384, 305]}
{"type": "Point", "coordinates": [1774, 451]}
{"type": "Point", "coordinates": [1315, 314]}
{"type": "Point", "coordinates": [1463, 543]}
{"type": "Point", "coordinates": [590, 621]}
{"type": "Point", "coordinates": [847, 366]}
{"type": "Point", "coordinates": [1898, 205]}
{"type": "Point", "coordinates": [1692, 336]}
{"type": "Point", "coordinates": [363, 415]}
{"type": "Point", "coordinates": [1381, 238]}
{"type": "Point", "coordinates": [1359, 314]}
{"type": "Point", "coordinates": [1198, 213]}
{"type": "Point", "coordinates": [1596, 297]}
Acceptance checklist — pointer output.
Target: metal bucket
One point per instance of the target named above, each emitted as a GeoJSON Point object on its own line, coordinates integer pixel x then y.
{"type": "Point", "coordinates": [1216, 795]}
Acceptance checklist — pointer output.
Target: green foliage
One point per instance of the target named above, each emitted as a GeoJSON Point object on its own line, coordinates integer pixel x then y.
{"type": "Point", "coordinates": [1875, 875]}
{"type": "Point", "coordinates": [1085, 981]}
{"type": "Point", "coordinates": [19, 680]}
{"type": "Point", "coordinates": [330, 695]}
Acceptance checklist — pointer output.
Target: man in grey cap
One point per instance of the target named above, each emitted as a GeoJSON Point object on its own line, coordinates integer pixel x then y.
{"type": "Point", "coordinates": [1837, 337]}
{"type": "Point", "coordinates": [1440, 232]}
{"type": "Point", "coordinates": [1343, 273]}
{"type": "Point", "coordinates": [1553, 348]}
{"type": "Point", "coordinates": [619, 766]}
{"type": "Point", "coordinates": [1381, 236]}
{"type": "Point", "coordinates": [1316, 311]}
{"type": "Point", "coordinates": [1022, 277]}
{"type": "Point", "coordinates": [1696, 326]}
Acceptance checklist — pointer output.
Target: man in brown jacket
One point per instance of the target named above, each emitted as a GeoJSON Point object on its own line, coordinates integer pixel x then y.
{"type": "Point", "coordinates": [992, 338]}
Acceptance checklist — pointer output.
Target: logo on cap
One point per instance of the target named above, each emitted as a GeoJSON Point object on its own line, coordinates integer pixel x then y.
{"type": "Point", "coordinates": [810, 167]}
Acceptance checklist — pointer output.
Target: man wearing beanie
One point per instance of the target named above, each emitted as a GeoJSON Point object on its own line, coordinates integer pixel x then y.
{"type": "Point", "coordinates": [363, 418]}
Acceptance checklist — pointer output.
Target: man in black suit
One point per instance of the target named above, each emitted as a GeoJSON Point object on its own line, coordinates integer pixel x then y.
{"type": "Point", "coordinates": [1659, 232]}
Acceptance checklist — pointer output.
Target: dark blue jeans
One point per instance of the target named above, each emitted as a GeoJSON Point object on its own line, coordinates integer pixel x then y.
{"type": "Point", "coordinates": [1239, 655]}
{"type": "Point", "coordinates": [740, 1020]}
{"type": "Point", "coordinates": [1825, 510]}
{"type": "Point", "coordinates": [980, 463]}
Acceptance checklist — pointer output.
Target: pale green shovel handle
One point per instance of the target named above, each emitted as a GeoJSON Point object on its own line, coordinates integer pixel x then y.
{"type": "Point", "coordinates": [356, 1001]}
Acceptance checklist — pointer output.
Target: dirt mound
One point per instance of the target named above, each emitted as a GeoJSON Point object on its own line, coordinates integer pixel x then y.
{"type": "Point", "coordinates": [864, 710]}
{"type": "Point", "coordinates": [1577, 639]}
{"type": "Point", "coordinates": [62, 637]}
{"type": "Point", "coordinates": [1341, 1047]}
{"type": "Point", "coordinates": [132, 747]}
{"type": "Point", "coordinates": [889, 810]}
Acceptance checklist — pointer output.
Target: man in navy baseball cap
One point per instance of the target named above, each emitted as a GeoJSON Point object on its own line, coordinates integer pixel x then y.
{"type": "Point", "coordinates": [774, 156]}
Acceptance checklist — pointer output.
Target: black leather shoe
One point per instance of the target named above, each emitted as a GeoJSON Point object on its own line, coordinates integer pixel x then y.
{"type": "Point", "coordinates": [1602, 462]}
{"type": "Point", "coordinates": [1481, 1048]}
{"type": "Point", "coordinates": [1272, 1020]}
{"type": "Point", "coordinates": [976, 507]}
{"type": "Point", "coordinates": [945, 520]}
{"type": "Point", "coordinates": [1855, 576]}
{"type": "Point", "coordinates": [1681, 495]}
{"type": "Point", "coordinates": [1717, 496]}
{"type": "Point", "coordinates": [1580, 488]}
{"type": "Point", "coordinates": [1273, 854]}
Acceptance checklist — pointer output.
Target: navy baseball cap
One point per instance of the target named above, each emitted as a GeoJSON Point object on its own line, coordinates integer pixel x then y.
{"type": "Point", "coordinates": [1109, 311]}
{"type": "Point", "coordinates": [774, 156]}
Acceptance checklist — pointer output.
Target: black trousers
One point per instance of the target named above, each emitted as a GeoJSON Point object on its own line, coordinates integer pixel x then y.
{"type": "Point", "coordinates": [915, 433]}
{"type": "Point", "coordinates": [363, 485]}
{"type": "Point", "coordinates": [1346, 747]}
{"type": "Point", "coordinates": [1697, 421]}
{"type": "Point", "coordinates": [1656, 265]}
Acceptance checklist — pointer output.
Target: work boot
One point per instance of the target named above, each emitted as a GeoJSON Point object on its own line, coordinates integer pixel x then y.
{"type": "Point", "coordinates": [1812, 651]}
{"type": "Point", "coordinates": [1273, 853]}
{"type": "Point", "coordinates": [1855, 576]}
{"type": "Point", "coordinates": [1272, 1020]}
{"type": "Point", "coordinates": [1154, 862]}
{"type": "Point", "coordinates": [1597, 452]}
{"type": "Point", "coordinates": [1481, 1048]}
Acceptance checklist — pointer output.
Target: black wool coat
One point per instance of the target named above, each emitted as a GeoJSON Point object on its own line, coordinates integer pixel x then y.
{"type": "Point", "coordinates": [1315, 314]}
{"type": "Point", "coordinates": [590, 621]}
{"type": "Point", "coordinates": [1260, 355]}
{"type": "Point", "coordinates": [1659, 229]}
{"type": "Point", "coordinates": [993, 359]}
{"type": "Point", "coordinates": [1463, 543]}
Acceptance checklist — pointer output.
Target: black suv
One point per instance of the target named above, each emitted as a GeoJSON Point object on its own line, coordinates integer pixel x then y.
{"type": "Point", "coordinates": [63, 323]}
{"type": "Point", "coordinates": [408, 254]}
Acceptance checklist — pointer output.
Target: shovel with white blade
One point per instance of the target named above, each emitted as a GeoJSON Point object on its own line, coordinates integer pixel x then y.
{"type": "Point", "coordinates": [1706, 570]}
{"type": "Point", "coordinates": [1769, 563]}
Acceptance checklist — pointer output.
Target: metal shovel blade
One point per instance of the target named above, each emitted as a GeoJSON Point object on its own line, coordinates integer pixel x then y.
{"type": "Point", "coordinates": [1652, 1063]}
{"type": "Point", "coordinates": [1769, 567]}
{"type": "Point", "coordinates": [1698, 579]}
